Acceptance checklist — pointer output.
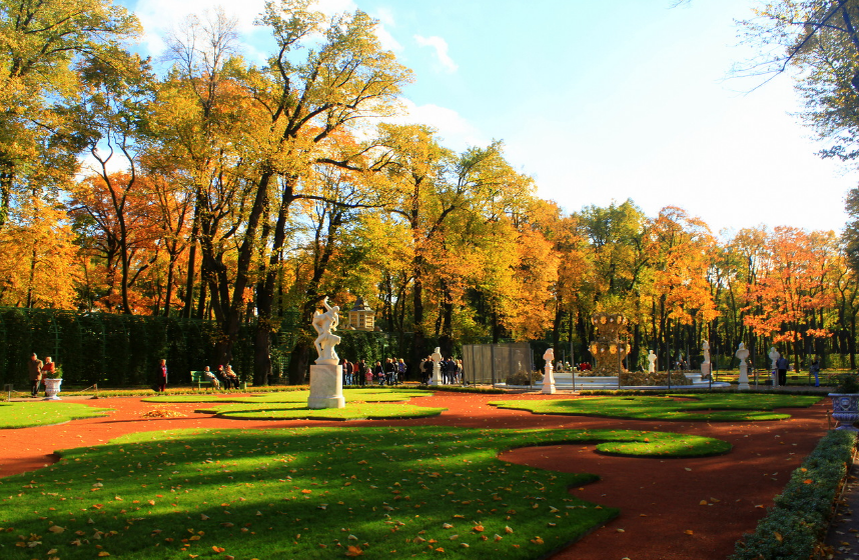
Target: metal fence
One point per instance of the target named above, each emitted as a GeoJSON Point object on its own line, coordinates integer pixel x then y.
{"type": "Point", "coordinates": [492, 363]}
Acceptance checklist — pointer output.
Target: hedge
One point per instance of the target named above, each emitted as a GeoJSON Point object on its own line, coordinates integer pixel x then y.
{"type": "Point", "coordinates": [795, 525]}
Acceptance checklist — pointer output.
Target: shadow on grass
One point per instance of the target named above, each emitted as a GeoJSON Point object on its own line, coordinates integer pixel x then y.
{"type": "Point", "coordinates": [303, 493]}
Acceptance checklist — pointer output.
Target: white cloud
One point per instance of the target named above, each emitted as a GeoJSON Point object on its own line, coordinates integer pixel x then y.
{"type": "Point", "coordinates": [386, 20]}
{"type": "Point", "coordinates": [455, 131]}
{"type": "Point", "coordinates": [440, 47]}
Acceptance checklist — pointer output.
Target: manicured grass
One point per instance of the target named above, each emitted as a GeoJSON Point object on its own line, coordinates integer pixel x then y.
{"type": "Point", "coordinates": [43, 413]}
{"type": "Point", "coordinates": [299, 410]}
{"type": "Point", "coordinates": [306, 493]}
{"type": "Point", "coordinates": [351, 395]}
{"type": "Point", "coordinates": [720, 407]}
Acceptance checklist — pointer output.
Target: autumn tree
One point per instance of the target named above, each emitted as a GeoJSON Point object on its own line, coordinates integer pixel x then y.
{"type": "Point", "coordinates": [38, 257]}
{"type": "Point", "coordinates": [792, 296]}
{"type": "Point", "coordinates": [40, 44]}
{"type": "Point", "coordinates": [818, 39]}
{"type": "Point", "coordinates": [679, 250]}
{"type": "Point", "coordinates": [110, 122]}
{"type": "Point", "coordinates": [303, 102]}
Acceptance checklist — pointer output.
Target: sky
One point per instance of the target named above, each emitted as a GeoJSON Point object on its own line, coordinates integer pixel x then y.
{"type": "Point", "coordinates": [599, 102]}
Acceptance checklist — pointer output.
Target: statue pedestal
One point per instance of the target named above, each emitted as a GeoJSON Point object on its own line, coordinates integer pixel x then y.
{"type": "Point", "coordinates": [705, 370]}
{"type": "Point", "coordinates": [743, 381]}
{"type": "Point", "coordinates": [326, 385]}
{"type": "Point", "coordinates": [436, 374]}
{"type": "Point", "coordinates": [548, 381]}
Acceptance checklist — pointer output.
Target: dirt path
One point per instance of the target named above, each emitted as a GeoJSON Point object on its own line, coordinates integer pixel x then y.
{"type": "Point", "coordinates": [660, 499]}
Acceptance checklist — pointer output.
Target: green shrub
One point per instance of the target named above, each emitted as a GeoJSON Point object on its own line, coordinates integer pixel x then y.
{"type": "Point", "coordinates": [523, 377]}
{"type": "Point", "coordinates": [792, 529]}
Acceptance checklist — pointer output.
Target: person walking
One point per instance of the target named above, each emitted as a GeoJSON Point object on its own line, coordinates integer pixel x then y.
{"type": "Point", "coordinates": [782, 365]}
{"type": "Point", "coordinates": [815, 370]}
{"type": "Point", "coordinates": [34, 367]}
{"type": "Point", "coordinates": [402, 370]}
{"type": "Point", "coordinates": [161, 375]}
{"type": "Point", "coordinates": [390, 371]}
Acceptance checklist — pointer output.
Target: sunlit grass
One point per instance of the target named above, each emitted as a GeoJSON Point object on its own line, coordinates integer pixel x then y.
{"type": "Point", "coordinates": [299, 410]}
{"type": "Point", "coordinates": [42, 413]}
{"type": "Point", "coordinates": [719, 407]}
{"type": "Point", "coordinates": [351, 395]}
{"type": "Point", "coordinates": [308, 493]}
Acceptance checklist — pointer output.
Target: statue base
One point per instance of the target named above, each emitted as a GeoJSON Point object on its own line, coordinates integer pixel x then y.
{"type": "Point", "coordinates": [326, 386]}
{"type": "Point", "coordinates": [548, 382]}
{"type": "Point", "coordinates": [743, 381]}
{"type": "Point", "coordinates": [436, 375]}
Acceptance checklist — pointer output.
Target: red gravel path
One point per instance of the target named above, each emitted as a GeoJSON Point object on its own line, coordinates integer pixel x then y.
{"type": "Point", "coordinates": [660, 499]}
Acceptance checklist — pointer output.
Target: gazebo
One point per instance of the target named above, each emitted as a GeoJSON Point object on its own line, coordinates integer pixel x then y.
{"type": "Point", "coordinates": [361, 317]}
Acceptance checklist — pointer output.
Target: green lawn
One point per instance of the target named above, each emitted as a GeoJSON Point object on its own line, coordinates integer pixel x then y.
{"type": "Point", "coordinates": [351, 395]}
{"type": "Point", "coordinates": [299, 410]}
{"type": "Point", "coordinates": [43, 413]}
{"type": "Point", "coordinates": [310, 493]}
{"type": "Point", "coordinates": [719, 407]}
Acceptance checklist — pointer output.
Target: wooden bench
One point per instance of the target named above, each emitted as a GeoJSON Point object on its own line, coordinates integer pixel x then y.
{"type": "Point", "coordinates": [199, 377]}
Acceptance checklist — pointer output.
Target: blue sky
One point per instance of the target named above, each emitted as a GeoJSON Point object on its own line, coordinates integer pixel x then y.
{"type": "Point", "coordinates": [598, 101]}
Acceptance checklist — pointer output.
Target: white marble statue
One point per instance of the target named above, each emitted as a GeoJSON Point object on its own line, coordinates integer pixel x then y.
{"type": "Point", "coordinates": [548, 377]}
{"type": "Point", "coordinates": [706, 367]}
{"type": "Point", "coordinates": [651, 362]}
{"type": "Point", "coordinates": [436, 366]}
{"type": "Point", "coordinates": [774, 356]}
{"type": "Point", "coordinates": [742, 354]}
{"type": "Point", "coordinates": [326, 376]}
{"type": "Point", "coordinates": [325, 323]}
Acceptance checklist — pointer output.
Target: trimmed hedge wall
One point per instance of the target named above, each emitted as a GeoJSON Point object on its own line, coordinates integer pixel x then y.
{"type": "Point", "coordinates": [120, 350]}
{"type": "Point", "coordinates": [798, 521]}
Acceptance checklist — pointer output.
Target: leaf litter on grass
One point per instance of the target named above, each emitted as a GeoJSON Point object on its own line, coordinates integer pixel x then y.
{"type": "Point", "coordinates": [718, 407]}
{"type": "Point", "coordinates": [242, 491]}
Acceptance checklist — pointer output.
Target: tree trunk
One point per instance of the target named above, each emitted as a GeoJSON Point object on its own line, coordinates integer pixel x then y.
{"type": "Point", "coordinates": [192, 259]}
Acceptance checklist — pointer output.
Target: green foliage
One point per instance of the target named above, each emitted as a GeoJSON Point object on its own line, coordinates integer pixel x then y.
{"type": "Point", "coordinates": [523, 377]}
{"type": "Point", "coordinates": [171, 494]}
{"type": "Point", "coordinates": [702, 407]}
{"type": "Point", "coordinates": [792, 529]}
{"type": "Point", "coordinates": [847, 384]}
{"type": "Point", "coordinates": [111, 349]}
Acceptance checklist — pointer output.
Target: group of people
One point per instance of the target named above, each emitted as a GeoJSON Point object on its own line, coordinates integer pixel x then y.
{"type": "Point", "coordinates": [38, 371]}
{"type": "Point", "coordinates": [393, 372]}
{"type": "Point", "coordinates": [450, 369]}
{"type": "Point", "coordinates": [224, 376]}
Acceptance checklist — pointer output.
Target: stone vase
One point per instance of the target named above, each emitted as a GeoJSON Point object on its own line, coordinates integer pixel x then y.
{"type": "Point", "coordinates": [52, 389]}
{"type": "Point", "coordinates": [845, 409]}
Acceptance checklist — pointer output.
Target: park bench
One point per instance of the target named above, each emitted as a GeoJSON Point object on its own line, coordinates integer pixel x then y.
{"type": "Point", "coordinates": [199, 377]}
